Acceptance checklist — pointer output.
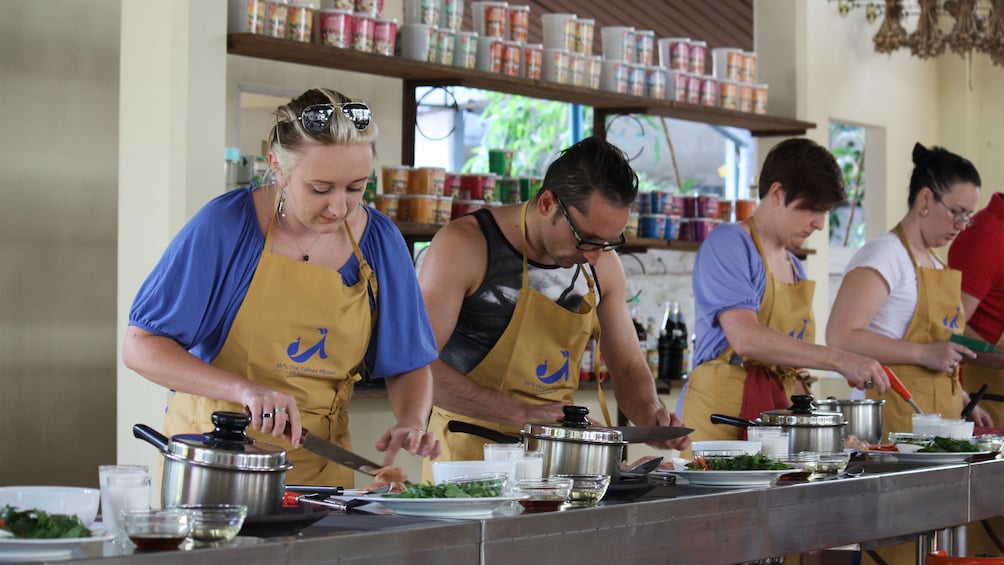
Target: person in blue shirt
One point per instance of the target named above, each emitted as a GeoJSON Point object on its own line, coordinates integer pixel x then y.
{"type": "Point", "coordinates": [755, 326]}
{"type": "Point", "coordinates": [274, 300]}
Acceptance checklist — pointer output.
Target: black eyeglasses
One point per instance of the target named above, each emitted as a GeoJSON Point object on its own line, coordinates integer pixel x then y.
{"type": "Point", "coordinates": [584, 244]}
{"type": "Point", "coordinates": [317, 117]}
{"type": "Point", "coordinates": [962, 219]}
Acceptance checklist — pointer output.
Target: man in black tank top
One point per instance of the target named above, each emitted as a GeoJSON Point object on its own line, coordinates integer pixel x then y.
{"type": "Point", "coordinates": [500, 334]}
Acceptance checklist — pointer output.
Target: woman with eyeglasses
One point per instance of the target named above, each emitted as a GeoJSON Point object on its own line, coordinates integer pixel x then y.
{"type": "Point", "coordinates": [274, 300]}
{"type": "Point", "coordinates": [754, 321]}
{"type": "Point", "coordinates": [900, 304]}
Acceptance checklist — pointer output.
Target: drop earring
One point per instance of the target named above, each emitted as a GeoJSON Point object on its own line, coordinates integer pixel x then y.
{"type": "Point", "coordinates": [282, 205]}
{"type": "Point", "coordinates": [923, 212]}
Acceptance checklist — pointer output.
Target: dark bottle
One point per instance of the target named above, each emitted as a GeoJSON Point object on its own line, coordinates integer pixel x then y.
{"type": "Point", "coordinates": [663, 346]}
{"type": "Point", "coordinates": [677, 343]}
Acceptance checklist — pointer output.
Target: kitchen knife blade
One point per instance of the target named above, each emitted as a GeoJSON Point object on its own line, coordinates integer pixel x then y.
{"type": "Point", "coordinates": [338, 454]}
{"type": "Point", "coordinates": [647, 434]}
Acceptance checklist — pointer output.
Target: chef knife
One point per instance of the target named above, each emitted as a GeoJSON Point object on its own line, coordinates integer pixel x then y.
{"type": "Point", "coordinates": [338, 454]}
{"type": "Point", "coordinates": [648, 434]}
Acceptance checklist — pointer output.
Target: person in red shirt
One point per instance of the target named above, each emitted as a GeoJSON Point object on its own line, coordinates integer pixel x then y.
{"type": "Point", "coordinates": [979, 253]}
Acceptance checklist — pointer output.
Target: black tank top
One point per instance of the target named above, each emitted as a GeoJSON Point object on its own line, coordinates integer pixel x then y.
{"type": "Point", "coordinates": [485, 314]}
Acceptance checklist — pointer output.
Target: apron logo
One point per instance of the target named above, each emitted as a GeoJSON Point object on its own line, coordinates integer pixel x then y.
{"type": "Point", "coordinates": [952, 324]}
{"type": "Point", "coordinates": [801, 332]}
{"type": "Point", "coordinates": [317, 348]}
{"type": "Point", "coordinates": [562, 371]}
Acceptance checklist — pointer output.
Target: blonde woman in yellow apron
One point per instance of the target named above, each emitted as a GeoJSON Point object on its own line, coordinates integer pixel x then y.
{"type": "Point", "coordinates": [275, 300]}
{"type": "Point", "coordinates": [899, 304]}
{"type": "Point", "coordinates": [512, 303]}
{"type": "Point", "coordinates": [755, 326]}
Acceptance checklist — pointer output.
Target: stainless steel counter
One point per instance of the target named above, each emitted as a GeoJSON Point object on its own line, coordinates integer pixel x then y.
{"type": "Point", "coordinates": [670, 524]}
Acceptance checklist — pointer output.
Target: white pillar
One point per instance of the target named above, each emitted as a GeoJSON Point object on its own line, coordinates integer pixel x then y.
{"type": "Point", "coordinates": [172, 90]}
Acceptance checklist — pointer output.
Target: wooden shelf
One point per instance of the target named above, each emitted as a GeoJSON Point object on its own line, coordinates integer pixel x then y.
{"type": "Point", "coordinates": [419, 73]}
{"type": "Point", "coordinates": [424, 232]}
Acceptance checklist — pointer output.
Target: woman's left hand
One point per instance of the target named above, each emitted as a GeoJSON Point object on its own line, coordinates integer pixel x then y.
{"type": "Point", "coordinates": [414, 440]}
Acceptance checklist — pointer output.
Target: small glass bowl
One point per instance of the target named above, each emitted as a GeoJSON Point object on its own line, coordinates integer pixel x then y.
{"type": "Point", "coordinates": [542, 495]}
{"type": "Point", "coordinates": [492, 484]}
{"type": "Point", "coordinates": [989, 442]}
{"type": "Point", "coordinates": [587, 490]}
{"type": "Point", "coordinates": [831, 464]}
{"type": "Point", "coordinates": [212, 523]}
{"type": "Point", "coordinates": [805, 461]}
{"type": "Point", "coordinates": [154, 530]}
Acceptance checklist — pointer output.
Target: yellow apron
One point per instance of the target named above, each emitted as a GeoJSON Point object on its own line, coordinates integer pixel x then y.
{"type": "Point", "coordinates": [937, 316]}
{"type": "Point", "coordinates": [536, 360]}
{"type": "Point", "coordinates": [300, 330]}
{"type": "Point", "coordinates": [717, 386]}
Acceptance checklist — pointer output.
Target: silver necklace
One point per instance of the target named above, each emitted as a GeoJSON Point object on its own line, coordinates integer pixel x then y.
{"type": "Point", "coordinates": [304, 250]}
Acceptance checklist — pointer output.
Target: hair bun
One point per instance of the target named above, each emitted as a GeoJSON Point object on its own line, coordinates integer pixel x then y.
{"type": "Point", "coordinates": [920, 153]}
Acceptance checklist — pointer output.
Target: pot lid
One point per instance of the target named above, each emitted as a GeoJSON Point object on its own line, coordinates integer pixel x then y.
{"type": "Point", "coordinates": [228, 446]}
{"type": "Point", "coordinates": [575, 427]}
{"type": "Point", "coordinates": [802, 413]}
{"type": "Point", "coordinates": [827, 402]}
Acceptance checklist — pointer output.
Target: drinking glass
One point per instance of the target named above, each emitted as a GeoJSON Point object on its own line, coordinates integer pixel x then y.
{"type": "Point", "coordinates": [773, 441]}
{"type": "Point", "coordinates": [501, 451]}
{"type": "Point", "coordinates": [123, 487]}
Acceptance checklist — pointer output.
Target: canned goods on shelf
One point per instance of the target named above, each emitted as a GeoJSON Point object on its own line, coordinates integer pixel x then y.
{"type": "Point", "coordinates": [462, 207]}
{"type": "Point", "coordinates": [388, 204]}
{"type": "Point", "coordinates": [422, 208]}
{"type": "Point", "coordinates": [384, 36]}
{"type": "Point", "coordinates": [652, 226]}
{"type": "Point", "coordinates": [336, 28]}
{"type": "Point", "coordinates": [300, 22]}
{"type": "Point", "coordinates": [362, 32]}
{"type": "Point", "coordinates": [395, 179]}
{"type": "Point", "coordinates": [631, 228]}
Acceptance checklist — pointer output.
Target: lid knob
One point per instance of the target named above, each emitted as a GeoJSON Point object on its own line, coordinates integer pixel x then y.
{"type": "Point", "coordinates": [229, 430]}
{"type": "Point", "coordinates": [801, 404]}
{"type": "Point", "coordinates": [575, 417]}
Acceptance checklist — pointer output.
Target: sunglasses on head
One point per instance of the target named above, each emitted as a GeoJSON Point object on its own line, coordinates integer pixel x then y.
{"type": "Point", "coordinates": [317, 117]}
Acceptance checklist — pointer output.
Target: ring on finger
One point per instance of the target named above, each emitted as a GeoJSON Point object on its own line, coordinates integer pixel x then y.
{"type": "Point", "coordinates": [280, 410]}
{"type": "Point", "coordinates": [266, 415]}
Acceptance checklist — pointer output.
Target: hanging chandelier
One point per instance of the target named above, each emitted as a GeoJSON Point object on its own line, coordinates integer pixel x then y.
{"type": "Point", "coordinates": [960, 26]}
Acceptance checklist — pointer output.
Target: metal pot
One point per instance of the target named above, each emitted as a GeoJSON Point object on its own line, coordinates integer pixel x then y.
{"type": "Point", "coordinates": [572, 447]}
{"type": "Point", "coordinates": [864, 417]}
{"type": "Point", "coordinates": [224, 466]}
{"type": "Point", "coordinates": [808, 429]}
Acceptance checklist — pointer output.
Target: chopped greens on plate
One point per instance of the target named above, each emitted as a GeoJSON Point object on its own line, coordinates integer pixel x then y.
{"type": "Point", "coordinates": [470, 489]}
{"type": "Point", "coordinates": [949, 445]}
{"type": "Point", "coordinates": [757, 462]}
{"type": "Point", "coordinates": [38, 524]}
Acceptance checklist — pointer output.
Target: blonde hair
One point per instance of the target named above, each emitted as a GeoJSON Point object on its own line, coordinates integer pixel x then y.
{"type": "Point", "coordinates": [288, 137]}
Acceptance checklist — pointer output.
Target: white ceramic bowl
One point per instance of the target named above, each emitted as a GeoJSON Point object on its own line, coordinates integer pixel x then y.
{"type": "Point", "coordinates": [80, 501]}
{"type": "Point", "coordinates": [726, 445]}
{"type": "Point", "coordinates": [443, 471]}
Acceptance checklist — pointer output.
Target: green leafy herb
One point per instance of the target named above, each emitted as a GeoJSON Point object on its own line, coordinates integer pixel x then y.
{"type": "Point", "coordinates": [757, 462]}
{"type": "Point", "coordinates": [949, 445]}
{"type": "Point", "coordinates": [471, 489]}
{"type": "Point", "coordinates": [38, 524]}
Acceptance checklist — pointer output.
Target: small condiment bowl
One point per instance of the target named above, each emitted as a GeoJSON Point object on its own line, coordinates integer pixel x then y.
{"type": "Point", "coordinates": [154, 530]}
{"type": "Point", "coordinates": [542, 495]}
{"type": "Point", "coordinates": [831, 464]}
{"type": "Point", "coordinates": [587, 490]}
{"type": "Point", "coordinates": [805, 461]}
{"type": "Point", "coordinates": [213, 523]}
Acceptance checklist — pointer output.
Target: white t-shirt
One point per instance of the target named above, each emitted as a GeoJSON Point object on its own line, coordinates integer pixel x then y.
{"type": "Point", "coordinates": [890, 259]}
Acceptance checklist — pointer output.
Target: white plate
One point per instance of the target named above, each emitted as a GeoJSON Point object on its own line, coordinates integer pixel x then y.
{"type": "Point", "coordinates": [20, 549]}
{"type": "Point", "coordinates": [732, 478]}
{"type": "Point", "coordinates": [935, 457]}
{"type": "Point", "coordinates": [443, 507]}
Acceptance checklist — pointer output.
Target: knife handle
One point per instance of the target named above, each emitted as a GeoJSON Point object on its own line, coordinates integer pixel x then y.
{"type": "Point", "coordinates": [897, 385]}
